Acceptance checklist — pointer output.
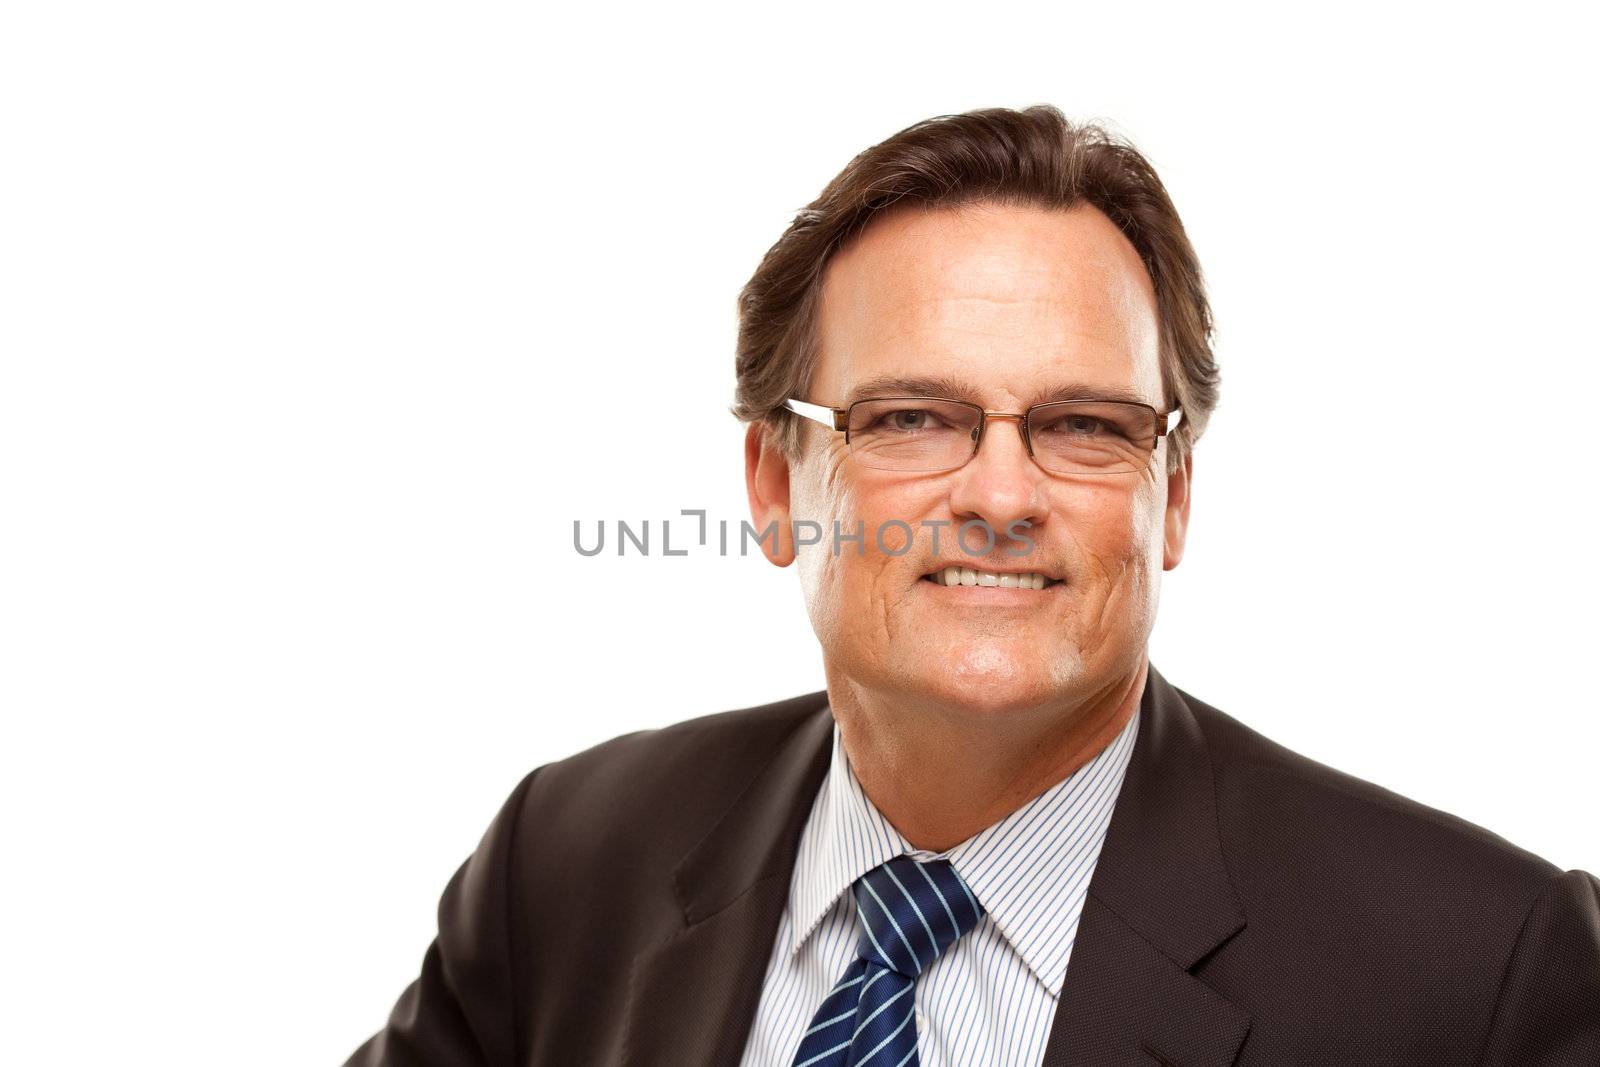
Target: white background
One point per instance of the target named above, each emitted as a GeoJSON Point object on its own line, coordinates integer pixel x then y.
{"type": "Point", "coordinates": [307, 307]}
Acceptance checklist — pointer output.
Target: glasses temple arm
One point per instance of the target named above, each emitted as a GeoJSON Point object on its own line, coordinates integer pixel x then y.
{"type": "Point", "coordinates": [832, 418]}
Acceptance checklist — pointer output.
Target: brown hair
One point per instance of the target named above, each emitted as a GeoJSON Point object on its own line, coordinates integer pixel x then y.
{"type": "Point", "coordinates": [1032, 156]}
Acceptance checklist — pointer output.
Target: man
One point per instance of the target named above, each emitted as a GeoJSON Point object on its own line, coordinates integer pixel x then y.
{"type": "Point", "coordinates": [980, 360]}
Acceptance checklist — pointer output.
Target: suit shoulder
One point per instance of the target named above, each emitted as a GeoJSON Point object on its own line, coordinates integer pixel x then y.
{"type": "Point", "coordinates": [1276, 800]}
{"type": "Point", "coordinates": [716, 741]}
{"type": "Point", "coordinates": [647, 784]}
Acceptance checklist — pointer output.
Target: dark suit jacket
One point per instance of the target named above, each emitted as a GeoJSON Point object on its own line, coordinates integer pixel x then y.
{"type": "Point", "coordinates": [1250, 906]}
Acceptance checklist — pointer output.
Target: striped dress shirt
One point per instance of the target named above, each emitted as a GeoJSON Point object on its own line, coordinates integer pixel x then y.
{"type": "Point", "coordinates": [990, 999]}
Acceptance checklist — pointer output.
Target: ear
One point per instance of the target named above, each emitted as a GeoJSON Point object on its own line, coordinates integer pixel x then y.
{"type": "Point", "coordinates": [766, 479]}
{"type": "Point", "coordinates": [1177, 528]}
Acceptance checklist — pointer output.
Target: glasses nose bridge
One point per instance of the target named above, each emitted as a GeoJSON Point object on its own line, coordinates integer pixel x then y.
{"type": "Point", "coordinates": [1022, 428]}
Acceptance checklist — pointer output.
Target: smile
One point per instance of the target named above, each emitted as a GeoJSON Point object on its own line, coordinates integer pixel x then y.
{"type": "Point", "coordinates": [1002, 580]}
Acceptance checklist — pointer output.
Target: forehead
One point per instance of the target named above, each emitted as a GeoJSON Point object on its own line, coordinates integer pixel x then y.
{"type": "Point", "coordinates": [1013, 300]}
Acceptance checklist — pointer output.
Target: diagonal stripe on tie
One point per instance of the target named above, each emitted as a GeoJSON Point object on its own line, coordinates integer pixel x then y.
{"type": "Point", "coordinates": [909, 913]}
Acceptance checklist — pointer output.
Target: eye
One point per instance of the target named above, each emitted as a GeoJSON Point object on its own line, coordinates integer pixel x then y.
{"type": "Point", "coordinates": [909, 420]}
{"type": "Point", "coordinates": [1079, 425]}
{"type": "Point", "coordinates": [1089, 426]}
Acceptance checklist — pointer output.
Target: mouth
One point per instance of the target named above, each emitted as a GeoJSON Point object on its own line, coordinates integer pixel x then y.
{"type": "Point", "coordinates": [975, 576]}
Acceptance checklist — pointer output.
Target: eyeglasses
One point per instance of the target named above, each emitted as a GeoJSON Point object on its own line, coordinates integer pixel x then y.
{"type": "Point", "coordinates": [933, 435]}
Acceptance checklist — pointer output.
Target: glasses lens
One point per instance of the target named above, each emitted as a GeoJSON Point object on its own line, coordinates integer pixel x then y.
{"type": "Point", "coordinates": [912, 434]}
{"type": "Point", "coordinates": [1092, 436]}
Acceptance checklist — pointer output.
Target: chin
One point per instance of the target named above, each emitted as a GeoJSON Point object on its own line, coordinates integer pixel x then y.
{"type": "Point", "coordinates": [996, 679]}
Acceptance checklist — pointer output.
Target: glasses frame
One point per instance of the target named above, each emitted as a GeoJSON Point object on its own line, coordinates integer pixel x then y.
{"type": "Point", "coordinates": [839, 419]}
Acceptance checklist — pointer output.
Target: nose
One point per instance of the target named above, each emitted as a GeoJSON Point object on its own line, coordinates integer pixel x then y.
{"type": "Point", "coordinates": [1001, 484]}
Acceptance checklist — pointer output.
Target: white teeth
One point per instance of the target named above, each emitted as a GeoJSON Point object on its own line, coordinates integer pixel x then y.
{"type": "Point", "coordinates": [970, 576]}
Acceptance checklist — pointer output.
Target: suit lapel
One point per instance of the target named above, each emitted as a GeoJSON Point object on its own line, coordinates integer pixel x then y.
{"type": "Point", "coordinates": [692, 996]}
{"type": "Point", "coordinates": [1159, 901]}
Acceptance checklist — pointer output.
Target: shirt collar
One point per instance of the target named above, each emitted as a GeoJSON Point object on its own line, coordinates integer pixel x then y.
{"type": "Point", "coordinates": [1030, 870]}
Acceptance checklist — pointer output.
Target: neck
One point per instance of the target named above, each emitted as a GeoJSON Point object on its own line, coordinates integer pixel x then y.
{"type": "Point", "coordinates": [940, 778]}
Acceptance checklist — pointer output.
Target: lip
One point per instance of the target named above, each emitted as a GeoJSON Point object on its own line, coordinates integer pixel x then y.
{"type": "Point", "coordinates": [990, 596]}
{"type": "Point", "coordinates": [1054, 578]}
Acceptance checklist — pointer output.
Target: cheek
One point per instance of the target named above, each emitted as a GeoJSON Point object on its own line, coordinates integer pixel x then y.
{"type": "Point", "coordinates": [851, 587]}
{"type": "Point", "coordinates": [1120, 535]}
{"type": "Point", "coordinates": [861, 508]}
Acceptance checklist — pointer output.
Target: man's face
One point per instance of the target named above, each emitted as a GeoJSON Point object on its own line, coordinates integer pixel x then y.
{"type": "Point", "coordinates": [1012, 306]}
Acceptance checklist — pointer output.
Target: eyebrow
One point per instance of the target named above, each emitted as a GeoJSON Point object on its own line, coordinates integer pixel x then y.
{"type": "Point", "coordinates": [953, 389]}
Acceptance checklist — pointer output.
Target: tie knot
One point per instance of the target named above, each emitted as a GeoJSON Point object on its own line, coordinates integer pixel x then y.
{"type": "Point", "coordinates": [911, 912]}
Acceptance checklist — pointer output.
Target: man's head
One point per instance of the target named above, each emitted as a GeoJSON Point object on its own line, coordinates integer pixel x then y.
{"type": "Point", "coordinates": [1006, 259]}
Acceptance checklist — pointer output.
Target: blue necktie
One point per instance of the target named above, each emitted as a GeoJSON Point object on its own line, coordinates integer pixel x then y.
{"type": "Point", "coordinates": [909, 914]}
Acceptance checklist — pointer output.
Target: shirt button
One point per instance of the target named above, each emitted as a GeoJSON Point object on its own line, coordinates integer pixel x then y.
{"type": "Point", "coordinates": [922, 1022]}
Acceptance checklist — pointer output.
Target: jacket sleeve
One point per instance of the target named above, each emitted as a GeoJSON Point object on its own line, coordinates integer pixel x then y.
{"type": "Point", "coordinates": [462, 1010]}
{"type": "Point", "coordinates": [1548, 1011]}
